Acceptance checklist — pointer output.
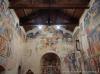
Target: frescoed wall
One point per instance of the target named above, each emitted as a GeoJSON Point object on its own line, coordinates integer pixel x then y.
{"type": "Point", "coordinates": [11, 39]}
{"type": "Point", "coordinates": [47, 40]}
{"type": "Point", "coordinates": [90, 25]}
{"type": "Point", "coordinates": [25, 51]}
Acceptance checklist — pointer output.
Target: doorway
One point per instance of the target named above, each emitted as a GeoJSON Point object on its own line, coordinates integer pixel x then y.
{"type": "Point", "coordinates": [19, 70]}
{"type": "Point", "coordinates": [2, 70]}
{"type": "Point", "coordinates": [50, 64]}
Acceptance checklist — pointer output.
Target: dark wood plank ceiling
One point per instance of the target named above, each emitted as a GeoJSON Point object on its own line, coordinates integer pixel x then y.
{"type": "Point", "coordinates": [49, 12]}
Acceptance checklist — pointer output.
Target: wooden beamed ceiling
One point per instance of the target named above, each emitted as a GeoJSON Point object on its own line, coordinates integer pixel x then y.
{"type": "Point", "coordinates": [49, 11]}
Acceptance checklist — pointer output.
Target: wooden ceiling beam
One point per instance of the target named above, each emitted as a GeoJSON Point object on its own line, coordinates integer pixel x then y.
{"type": "Point", "coordinates": [15, 2]}
{"type": "Point", "coordinates": [46, 6]}
{"type": "Point", "coordinates": [69, 24]}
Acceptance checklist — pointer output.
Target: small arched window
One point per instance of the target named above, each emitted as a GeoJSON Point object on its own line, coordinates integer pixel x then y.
{"type": "Point", "coordinates": [29, 72]}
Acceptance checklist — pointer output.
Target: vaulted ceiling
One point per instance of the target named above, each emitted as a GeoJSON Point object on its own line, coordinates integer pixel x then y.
{"type": "Point", "coordinates": [49, 12]}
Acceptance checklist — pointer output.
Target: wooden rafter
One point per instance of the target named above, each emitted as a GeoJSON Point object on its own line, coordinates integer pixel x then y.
{"type": "Point", "coordinates": [69, 24]}
{"type": "Point", "coordinates": [46, 6]}
{"type": "Point", "coordinates": [15, 2]}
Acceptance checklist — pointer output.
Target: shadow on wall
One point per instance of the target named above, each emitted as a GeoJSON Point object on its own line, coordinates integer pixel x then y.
{"type": "Point", "coordinates": [2, 69]}
{"type": "Point", "coordinates": [29, 72]}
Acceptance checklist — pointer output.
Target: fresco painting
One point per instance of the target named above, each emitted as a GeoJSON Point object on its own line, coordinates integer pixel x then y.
{"type": "Point", "coordinates": [93, 34]}
{"type": "Point", "coordinates": [93, 30]}
{"type": "Point", "coordinates": [95, 9]}
{"type": "Point", "coordinates": [6, 35]}
{"type": "Point", "coordinates": [49, 40]}
{"type": "Point", "coordinates": [91, 17]}
{"type": "Point", "coordinates": [5, 49]}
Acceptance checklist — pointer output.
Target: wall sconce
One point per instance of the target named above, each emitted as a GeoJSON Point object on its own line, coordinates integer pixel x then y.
{"type": "Point", "coordinates": [58, 27]}
{"type": "Point", "coordinates": [40, 27]}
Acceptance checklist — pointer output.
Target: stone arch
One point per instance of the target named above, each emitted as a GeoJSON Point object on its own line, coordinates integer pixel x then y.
{"type": "Point", "coordinates": [50, 63]}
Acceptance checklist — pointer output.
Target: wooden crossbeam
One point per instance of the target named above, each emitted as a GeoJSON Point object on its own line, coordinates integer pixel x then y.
{"type": "Point", "coordinates": [31, 24]}
{"type": "Point", "coordinates": [46, 6]}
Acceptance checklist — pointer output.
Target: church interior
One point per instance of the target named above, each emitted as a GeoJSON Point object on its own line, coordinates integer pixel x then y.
{"type": "Point", "coordinates": [49, 36]}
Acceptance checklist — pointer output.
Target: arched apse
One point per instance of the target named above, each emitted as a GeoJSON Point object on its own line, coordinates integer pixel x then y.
{"type": "Point", "coordinates": [50, 64]}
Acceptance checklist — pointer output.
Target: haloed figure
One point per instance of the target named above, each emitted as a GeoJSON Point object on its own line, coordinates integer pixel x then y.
{"type": "Point", "coordinates": [29, 72]}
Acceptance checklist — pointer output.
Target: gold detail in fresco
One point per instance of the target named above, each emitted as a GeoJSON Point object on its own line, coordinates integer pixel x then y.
{"type": "Point", "coordinates": [3, 41]}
